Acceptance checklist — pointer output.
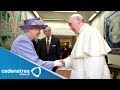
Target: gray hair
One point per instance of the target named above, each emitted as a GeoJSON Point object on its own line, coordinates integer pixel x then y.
{"type": "Point", "coordinates": [77, 16]}
{"type": "Point", "coordinates": [27, 30]}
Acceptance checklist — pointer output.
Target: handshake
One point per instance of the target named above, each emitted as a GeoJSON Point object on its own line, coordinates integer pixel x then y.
{"type": "Point", "coordinates": [59, 63]}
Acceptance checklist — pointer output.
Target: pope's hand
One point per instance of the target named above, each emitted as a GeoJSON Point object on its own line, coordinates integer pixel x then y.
{"type": "Point", "coordinates": [58, 63]}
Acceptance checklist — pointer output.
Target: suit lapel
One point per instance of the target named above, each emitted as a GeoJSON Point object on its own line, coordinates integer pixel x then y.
{"type": "Point", "coordinates": [52, 40]}
{"type": "Point", "coordinates": [44, 45]}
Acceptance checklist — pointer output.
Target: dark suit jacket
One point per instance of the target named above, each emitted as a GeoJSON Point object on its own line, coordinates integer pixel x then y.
{"type": "Point", "coordinates": [54, 50]}
{"type": "Point", "coordinates": [35, 44]}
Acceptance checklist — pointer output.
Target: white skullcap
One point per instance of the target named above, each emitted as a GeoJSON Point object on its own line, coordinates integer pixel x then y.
{"type": "Point", "coordinates": [76, 15]}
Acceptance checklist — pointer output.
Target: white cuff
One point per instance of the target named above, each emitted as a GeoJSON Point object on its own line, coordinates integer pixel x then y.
{"type": "Point", "coordinates": [58, 63]}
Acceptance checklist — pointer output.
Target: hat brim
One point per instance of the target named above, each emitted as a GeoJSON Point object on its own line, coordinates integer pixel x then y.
{"type": "Point", "coordinates": [33, 26]}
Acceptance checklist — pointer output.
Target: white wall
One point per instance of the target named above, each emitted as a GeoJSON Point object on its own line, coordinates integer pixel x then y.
{"type": "Point", "coordinates": [30, 15]}
{"type": "Point", "coordinates": [98, 22]}
{"type": "Point", "coordinates": [58, 28]}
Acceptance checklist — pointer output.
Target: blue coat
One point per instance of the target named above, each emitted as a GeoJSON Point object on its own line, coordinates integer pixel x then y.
{"type": "Point", "coordinates": [24, 47]}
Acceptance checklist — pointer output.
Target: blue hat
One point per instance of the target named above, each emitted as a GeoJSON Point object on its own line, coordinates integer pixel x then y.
{"type": "Point", "coordinates": [33, 23]}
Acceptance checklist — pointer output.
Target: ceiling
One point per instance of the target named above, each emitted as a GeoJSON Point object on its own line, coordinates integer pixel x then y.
{"type": "Point", "coordinates": [63, 15]}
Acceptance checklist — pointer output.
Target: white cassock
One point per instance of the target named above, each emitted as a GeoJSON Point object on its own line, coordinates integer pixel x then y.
{"type": "Point", "coordinates": [87, 58]}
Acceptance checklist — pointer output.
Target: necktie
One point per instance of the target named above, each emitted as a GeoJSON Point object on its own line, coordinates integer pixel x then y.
{"type": "Point", "coordinates": [48, 45]}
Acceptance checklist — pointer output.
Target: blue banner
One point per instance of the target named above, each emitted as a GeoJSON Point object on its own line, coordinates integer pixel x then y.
{"type": "Point", "coordinates": [15, 67]}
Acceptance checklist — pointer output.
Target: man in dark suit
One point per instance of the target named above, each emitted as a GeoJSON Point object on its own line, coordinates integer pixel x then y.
{"type": "Point", "coordinates": [49, 47]}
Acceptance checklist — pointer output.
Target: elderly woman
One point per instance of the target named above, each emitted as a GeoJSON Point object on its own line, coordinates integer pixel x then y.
{"type": "Point", "coordinates": [24, 47]}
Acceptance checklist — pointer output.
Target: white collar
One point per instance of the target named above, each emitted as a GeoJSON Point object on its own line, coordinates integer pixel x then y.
{"type": "Point", "coordinates": [82, 28]}
{"type": "Point", "coordinates": [49, 38]}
